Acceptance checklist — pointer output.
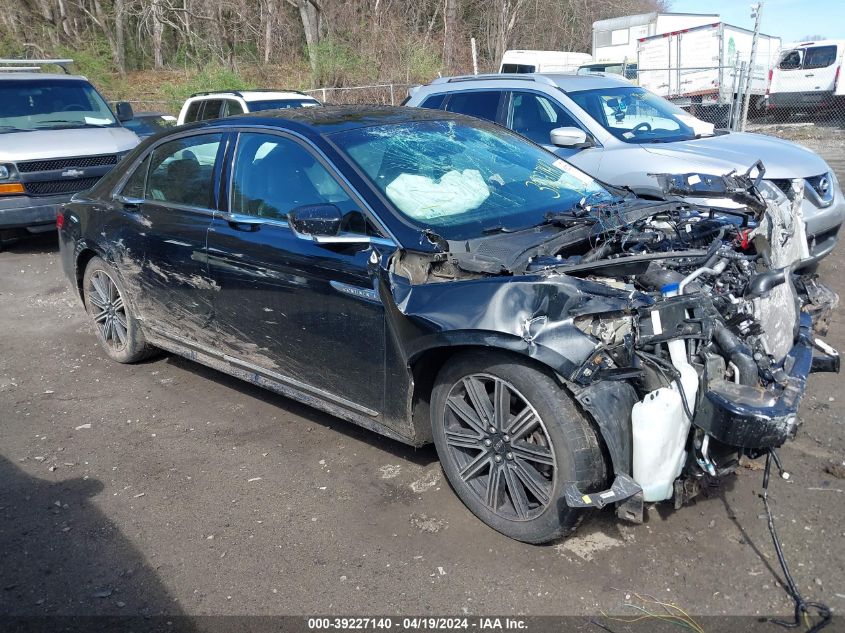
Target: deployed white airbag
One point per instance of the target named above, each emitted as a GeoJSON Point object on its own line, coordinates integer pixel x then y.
{"type": "Point", "coordinates": [424, 198]}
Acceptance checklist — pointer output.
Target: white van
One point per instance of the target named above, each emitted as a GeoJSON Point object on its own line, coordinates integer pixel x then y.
{"type": "Point", "coordinates": [542, 61]}
{"type": "Point", "coordinates": [807, 75]}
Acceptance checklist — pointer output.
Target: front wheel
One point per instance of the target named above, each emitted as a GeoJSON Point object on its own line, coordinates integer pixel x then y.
{"type": "Point", "coordinates": [509, 439]}
{"type": "Point", "coordinates": [118, 331]}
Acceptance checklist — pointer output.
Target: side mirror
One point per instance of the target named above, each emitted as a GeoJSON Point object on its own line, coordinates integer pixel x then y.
{"type": "Point", "coordinates": [124, 111]}
{"type": "Point", "coordinates": [316, 220]}
{"type": "Point", "coordinates": [569, 137]}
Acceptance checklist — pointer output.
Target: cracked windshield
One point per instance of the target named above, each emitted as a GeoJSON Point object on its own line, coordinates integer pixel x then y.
{"type": "Point", "coordinates": [465, 181]}
{"type": "Point", "coordinates": [51, 105]}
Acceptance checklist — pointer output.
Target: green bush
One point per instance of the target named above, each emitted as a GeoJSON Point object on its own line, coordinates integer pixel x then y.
{"type": "Point", "coordinates": [209, 78]}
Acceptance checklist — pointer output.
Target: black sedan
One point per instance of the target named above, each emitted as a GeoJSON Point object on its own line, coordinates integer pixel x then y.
{"type": "Point", "coordinates": [432, 277]}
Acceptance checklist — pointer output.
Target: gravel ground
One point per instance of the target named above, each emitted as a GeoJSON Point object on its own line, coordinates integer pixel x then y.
{"type": "Point", "coordinates": [168, 488]}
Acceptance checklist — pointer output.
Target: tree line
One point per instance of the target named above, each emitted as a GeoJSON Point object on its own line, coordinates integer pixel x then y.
{"type": "Point", "coordinates": [340, 42]}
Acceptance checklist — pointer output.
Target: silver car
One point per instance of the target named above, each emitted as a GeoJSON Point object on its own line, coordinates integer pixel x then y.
{"type": "Point", "coordinates": [622, 134]}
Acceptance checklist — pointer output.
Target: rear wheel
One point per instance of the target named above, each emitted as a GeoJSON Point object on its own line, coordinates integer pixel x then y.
{"type": "Point", "coordinates": [105, 301]}
{"type": "Point", "coordinates": [509, 438]}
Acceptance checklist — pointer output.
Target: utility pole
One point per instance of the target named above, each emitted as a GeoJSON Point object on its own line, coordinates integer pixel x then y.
{"type": "Point", "coordinates": [756, 10]}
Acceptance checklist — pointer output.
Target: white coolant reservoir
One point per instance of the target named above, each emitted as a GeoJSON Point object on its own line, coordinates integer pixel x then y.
{"type": "Point", "coordinates": [661, 426]}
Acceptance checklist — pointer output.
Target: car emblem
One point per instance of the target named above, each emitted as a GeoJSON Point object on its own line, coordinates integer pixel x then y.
{"type": "Point", "coordinates": [73, 173]}
{"type": "Point", "coordinates": [824, 185]}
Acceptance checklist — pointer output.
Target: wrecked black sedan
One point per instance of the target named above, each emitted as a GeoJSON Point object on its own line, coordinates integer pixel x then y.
{"type": "Point", "coordinates": [432, 277]}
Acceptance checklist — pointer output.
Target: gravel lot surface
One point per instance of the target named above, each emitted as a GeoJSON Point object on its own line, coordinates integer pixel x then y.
{"type": "Point", "coordinates": [165, 487]}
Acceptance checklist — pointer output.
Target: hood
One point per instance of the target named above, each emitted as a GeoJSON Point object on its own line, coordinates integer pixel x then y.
{"type": "Point", "coordinates": [40, 144]}
{"type": "Point", "coordinates": [739, 150]}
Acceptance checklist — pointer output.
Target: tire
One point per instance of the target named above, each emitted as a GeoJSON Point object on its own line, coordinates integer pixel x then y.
{"type": "Point", "coordinates": [543, 439]}
{"type": "Point", "coordinates": [118, 331]}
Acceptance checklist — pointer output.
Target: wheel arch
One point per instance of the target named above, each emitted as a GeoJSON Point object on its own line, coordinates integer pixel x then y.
{"type": "Point", "coordinates": [85, 252]}
{"type": "Point", "coordinates": [608, 414]}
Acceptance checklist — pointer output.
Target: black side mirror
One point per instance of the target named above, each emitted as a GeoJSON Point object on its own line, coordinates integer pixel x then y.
{"type": "Point", "coordinates": [317, 220]}
{"type": "Point", "coordinates": [124, 111]}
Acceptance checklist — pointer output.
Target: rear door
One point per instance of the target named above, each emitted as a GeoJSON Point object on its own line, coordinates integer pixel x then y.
{"type": "Point", "coordinates": [166, 208]}
{"type": "Point", "coordinates": [482, 104]}
{"type": "Point", "coordinates": [303, 313]}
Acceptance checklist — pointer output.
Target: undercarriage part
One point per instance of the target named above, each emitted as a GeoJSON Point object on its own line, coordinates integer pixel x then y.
{"type": "Point", "coordinates": [804, 610]}
{"type": "Point", "coordinates": [623, 488]}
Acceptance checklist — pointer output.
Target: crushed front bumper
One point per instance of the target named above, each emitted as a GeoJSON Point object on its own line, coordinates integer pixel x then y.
{"type": "Point", "coordinates": [756, 418]}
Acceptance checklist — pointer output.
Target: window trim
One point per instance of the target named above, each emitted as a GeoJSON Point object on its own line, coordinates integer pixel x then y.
{"type": "Point", "coordinates": [388, 239]}
{"type": "Point", "coordinates": [116, 191]}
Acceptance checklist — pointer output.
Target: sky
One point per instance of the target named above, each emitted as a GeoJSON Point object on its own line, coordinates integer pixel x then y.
{"type": "Point", "coordinates": [790, 20]}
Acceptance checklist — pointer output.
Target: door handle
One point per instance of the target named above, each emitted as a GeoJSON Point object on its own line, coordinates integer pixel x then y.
{"type": "Point", "coordinates": [129, 203]}
{"type": "Point", "coordinates": [242, 222]}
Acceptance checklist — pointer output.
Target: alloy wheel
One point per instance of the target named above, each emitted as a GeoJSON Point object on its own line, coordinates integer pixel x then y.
{"type": "Point", "coordinates": [108, 310]}
{"type": "Point", "coordinates": [500, 446]}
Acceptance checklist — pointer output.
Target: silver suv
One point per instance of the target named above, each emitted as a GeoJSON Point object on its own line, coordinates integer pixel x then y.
{"type": "Point", "coordinates": [57, 137]}
{"type": "Point", "coordinates": [622, 134]}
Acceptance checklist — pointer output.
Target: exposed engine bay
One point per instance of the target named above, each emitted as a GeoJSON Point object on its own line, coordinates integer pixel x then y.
{"type": "Point", "coordinates": [702, 321]}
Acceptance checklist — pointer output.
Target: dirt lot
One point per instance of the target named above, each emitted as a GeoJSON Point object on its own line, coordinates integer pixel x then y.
{"type": "Point", "coordinates": [166, 487]}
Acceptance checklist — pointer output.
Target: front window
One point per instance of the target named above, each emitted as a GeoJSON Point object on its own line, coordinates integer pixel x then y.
{"type": "Point", "coordinates": [463, 180]}
{"type": "Point", "coordinates": [51, 104]}
{"type": "Point", "coordinates": [634, 115]}
{"type": "Point", "coordinates": [281, 104]}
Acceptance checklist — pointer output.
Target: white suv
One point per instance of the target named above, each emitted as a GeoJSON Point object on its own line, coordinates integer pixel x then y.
{"type": "Point", "coordinates": [204, 106]}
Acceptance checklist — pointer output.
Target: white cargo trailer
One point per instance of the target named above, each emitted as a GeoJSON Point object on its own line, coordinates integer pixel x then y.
{"type": "Point", "coordinates": [698, 68]}
{"type": "Point", "coordinates": [615, 39]}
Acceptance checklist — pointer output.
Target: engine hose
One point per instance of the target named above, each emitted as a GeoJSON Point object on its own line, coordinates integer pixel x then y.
{"type": "Point", "coordinates": [733, 347]}
{"type": "Point", "coordinates": [599, 252]}
{"type": "Point", "coordinates": [802, 607]}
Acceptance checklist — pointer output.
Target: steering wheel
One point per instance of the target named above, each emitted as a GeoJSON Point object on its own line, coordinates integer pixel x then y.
{"type": "Point", "coordinates": [73, 107]}
{"type": "Point", "coordinates": [641, 127]}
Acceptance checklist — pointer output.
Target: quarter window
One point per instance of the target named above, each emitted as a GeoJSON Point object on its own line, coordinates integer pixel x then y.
{"type": "Point", "coordinates": [274, 175]}
{"type": "Point", "coordinates": [181, 171]}
{"type": "Point", "coordinates": [483, 104]}
{"type": "Point", "coordinates": [134, 187]}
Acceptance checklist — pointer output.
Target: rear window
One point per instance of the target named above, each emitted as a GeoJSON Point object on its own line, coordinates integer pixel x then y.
{"type": "Point", "coordinates": [819, 56]}
{"type": "Point", "coordinates": [518, 68]}
{"type": "Point", "coordinates": [483, 104]}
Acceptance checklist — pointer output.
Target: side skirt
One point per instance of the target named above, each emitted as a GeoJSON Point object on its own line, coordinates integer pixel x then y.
{"type": "Point", "coordinates": [288, 387]}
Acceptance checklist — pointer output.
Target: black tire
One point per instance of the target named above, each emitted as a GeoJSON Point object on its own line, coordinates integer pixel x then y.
{"type": "Point", "coordinates": [574, 446]}
{"type": "Point", "coordinates": [118, 332]}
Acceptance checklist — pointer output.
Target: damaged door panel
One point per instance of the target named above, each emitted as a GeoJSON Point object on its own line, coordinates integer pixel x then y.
{"type": "Point", "coordinates": [564, 344]}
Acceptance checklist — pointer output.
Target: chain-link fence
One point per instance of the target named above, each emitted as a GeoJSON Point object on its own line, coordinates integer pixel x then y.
{"type": "Point", "coordinates": [386, 94]}
{"type": "Point", "coordinates": [799, 98]}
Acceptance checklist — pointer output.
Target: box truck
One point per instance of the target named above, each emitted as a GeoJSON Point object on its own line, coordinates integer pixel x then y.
{"type": "Point", "coordinates": [699, 68]}
{"type": "Point", "coordinates": [615, 39]}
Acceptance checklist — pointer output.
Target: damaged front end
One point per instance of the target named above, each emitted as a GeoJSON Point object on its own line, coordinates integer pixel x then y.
{"type": "Point", "coordinates": [686, 332]}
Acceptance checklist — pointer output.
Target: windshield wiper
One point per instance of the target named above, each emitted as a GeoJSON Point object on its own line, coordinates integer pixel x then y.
{"type": "Point", "coordinates": [66, 125]}
{"type": "Point", "coordinates": [12, 128]}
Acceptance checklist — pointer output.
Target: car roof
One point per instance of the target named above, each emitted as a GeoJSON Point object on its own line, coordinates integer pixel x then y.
{"type": "Point", "coordinates": [335, 118]}
{"type": "Point", "coordinates": [568, 82]}
{"type": "Point", "coordinates": [252, 95]}
{"type": "Point", "coordinates": [40, 76]}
